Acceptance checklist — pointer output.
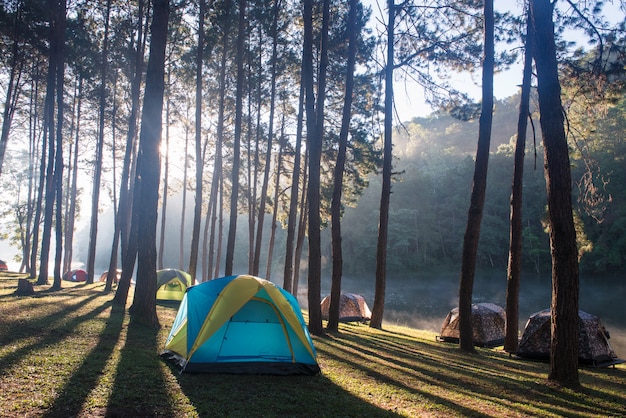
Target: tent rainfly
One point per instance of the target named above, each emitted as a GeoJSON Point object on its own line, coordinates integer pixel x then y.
{"type": "Point", "coordinates": [352, 308]}
{"type": "Point", "coordinates": [240, 325]}
{"type": "Point", "coordinates": [594, 348]}
{"type": "Point", "coordinates": [172, 284]}
{"type": "Point", "coordinates": [488, 325]}
{"type": "Point", "coordinates": [75, 276]}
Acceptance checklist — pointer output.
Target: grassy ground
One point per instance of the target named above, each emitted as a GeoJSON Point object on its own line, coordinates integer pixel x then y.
{"type": "Point", "coordinates": [71, 353]}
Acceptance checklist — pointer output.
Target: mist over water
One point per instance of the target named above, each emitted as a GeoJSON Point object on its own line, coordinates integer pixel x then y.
{"type": "Point", "coordinates": [419, 302]}
{"type": "Point", "coordinates": [423, 303]}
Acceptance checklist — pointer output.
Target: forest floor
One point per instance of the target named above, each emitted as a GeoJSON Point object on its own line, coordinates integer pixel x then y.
{"type": "Point", "coordinates": [70, 353]}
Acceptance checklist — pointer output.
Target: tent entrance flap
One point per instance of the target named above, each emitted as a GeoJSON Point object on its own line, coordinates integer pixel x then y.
{"type": "Point", "coordinates": [255, 332]}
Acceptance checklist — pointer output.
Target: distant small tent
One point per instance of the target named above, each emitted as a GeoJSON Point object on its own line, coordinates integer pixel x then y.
{"type": "Point", "coordinates": [240, 325]}
{"type": "Point", "coordinates": [172, 284]}
{"type": "Point", "coordinates": [352, 308]}
{"type": "Point", "coordinates": [594, 348]}
{"type": "Point", "coordinates": [3, 266]}
{"type": "Point", "coordinates": [488, 325]}
{"type": "Point", "coordinates": [75, 276]}
{"type": "Point", "coordinates": [116, 278]}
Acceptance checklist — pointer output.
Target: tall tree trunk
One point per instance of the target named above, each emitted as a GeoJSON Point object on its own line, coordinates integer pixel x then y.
{"type": "Point", "coordinates": [479, 186]}
{"type": "Point", "coordinates": [206, 275]}
{"type": "Point", "coordinates": [97, 171]}
{"type": "Point", "coordinates": [220, 228]}
{"type": "Point", "coordinates": [315, 134]}
{"type": "Point", "coordinates": [268, 153]}
{"type": "Point", "coordinates": [197, 212]}
{"type": "Point", "coordinates": [148, 170]}
{"type": "Point", "coordinates": [335, 208]}
{"type": "Point", "coordinates": [13, 84]}
{"type": "Point", "coordinates": [217, 166]}
{"type": "Point", "coordinates": [195, 234]}
{"type": "Point", "coordinates": [292, 217]}
{"type": "Point", "coordinates": [257, 148]}
{"type": "Point", "coordinates": [42, 176]}
{"type": "Point", "coordinates": [234, 194]}
{"type": "Point", "coordinates": [161, 251]}
{"type": "Point", "coordinates": [381, 249]}
{"type": "Point", "coordinates": [279, 167]}
{"type": "Point", "coordinates": [113, 277]}
{"type": "Point", "coordinates": [181, 250]}
{"type": "Point", "coordinates": [302, 226]}
{"type": "Point", "coordinates": [211, 218]}
{"type": "Point", "coordinates": [213, 229]}
{"type": "Point", "coordinates": [33, 200]}
{"type": "Point", "coordinates": [114, 144]}
{"type": "Point", "coordinates": [58, 158]}
{"type": "Point", "coordinates": [252, 170]}
{"type": "Point", "coordinates": [72, 176]}
{"type": "Point", "coordinates": [122, 233]}
{"type": "Point", "coordinates": [49, 133]}
{"type": "Point", "coordinates": [565, 286]}
{"type": "Point", "coordinates": [515, 250]}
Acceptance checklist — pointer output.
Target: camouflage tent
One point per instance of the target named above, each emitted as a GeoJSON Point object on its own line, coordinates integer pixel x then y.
{"type": "Point", "coordinates": [593, 340]}
{"type": "Point", "coordinates": [488, 322]}
{"type": "Point", "coordinates": [352, 308]}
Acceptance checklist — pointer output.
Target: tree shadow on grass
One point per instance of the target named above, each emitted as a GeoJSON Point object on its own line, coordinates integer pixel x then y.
{"type": "Point", "coordinates": [50, 329]}
{"type": "Point", "coordinates": [76, 390]}
{"type": "Point", "coordinates": [140, 389]}
{"type": "Point", "coordinates": [221, 395]}
{"type": "Point", "coordinates": [485, 377]}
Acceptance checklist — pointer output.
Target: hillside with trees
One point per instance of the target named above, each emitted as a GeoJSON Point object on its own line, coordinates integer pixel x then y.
{"type": "Point", "coordinates": [434, 163]}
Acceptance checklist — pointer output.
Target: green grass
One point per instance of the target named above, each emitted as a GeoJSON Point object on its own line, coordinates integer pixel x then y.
{"type": "Point", "coordinates": [71, 353]}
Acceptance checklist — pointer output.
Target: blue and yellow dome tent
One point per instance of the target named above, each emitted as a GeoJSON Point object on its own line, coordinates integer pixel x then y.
{"type": "Point", "coordinates": [172, 284]}
{"type": "Point", "coordinates": [243, 325]}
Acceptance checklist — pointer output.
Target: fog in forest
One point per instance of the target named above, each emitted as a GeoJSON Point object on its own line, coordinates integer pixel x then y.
{"type": "Point", "coordinates": [421, 301]}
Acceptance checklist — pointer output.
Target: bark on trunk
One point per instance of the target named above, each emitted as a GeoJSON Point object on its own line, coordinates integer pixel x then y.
{"type": "Point", "coordinates": [123, 229]}
{"type": "Point", "coordinates": [197, 212]}
{"type": "Point", "coordinates": [279, 168]}
{"type": "Point", "coordinates": [148, 170]}
{"type": "Point", "coordinates": [49, 133]}
{"type": "Point", "coordinates": [477, 199]}
{"type": "Point", "coordinates": [162, 234]}
{"type": "Point", "coordinates": [564, 306]}
{"type": "Point", "coordinates": [335, 289]}
{"type": "Point", "coordinates": [378, 307]}
{"type": "Point", "coordinates": [515, 251]}
{"type": "Point", "coordinates": [97, 171]}
{"type": "Point", "coordinates": [268, 156]}
{"type": "Point", "coordinates": [234, 195]}
{"type": "Point", "coordinates": [293, 200]}
{"type": "Point", "coordinates": [58, 158]}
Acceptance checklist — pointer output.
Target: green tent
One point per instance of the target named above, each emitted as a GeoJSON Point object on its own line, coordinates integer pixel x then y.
{"type": "Point", "coordinates": [172, 284]}
{"type": "Point", "coordinates": [243, 325]}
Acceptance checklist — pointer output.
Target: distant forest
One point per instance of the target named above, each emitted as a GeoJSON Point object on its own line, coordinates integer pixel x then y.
{"type": "Point", "coordinates": [430, 197]}
{"type": "Point", "coordinates": [433, 165]}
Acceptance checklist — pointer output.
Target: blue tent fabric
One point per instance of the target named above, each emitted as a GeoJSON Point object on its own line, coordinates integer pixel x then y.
{"type": "Point", "coordinates": [240, 324]}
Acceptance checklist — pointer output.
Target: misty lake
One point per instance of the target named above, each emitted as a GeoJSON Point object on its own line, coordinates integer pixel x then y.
{"type": "Point", "coordinates": [423, 303]}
